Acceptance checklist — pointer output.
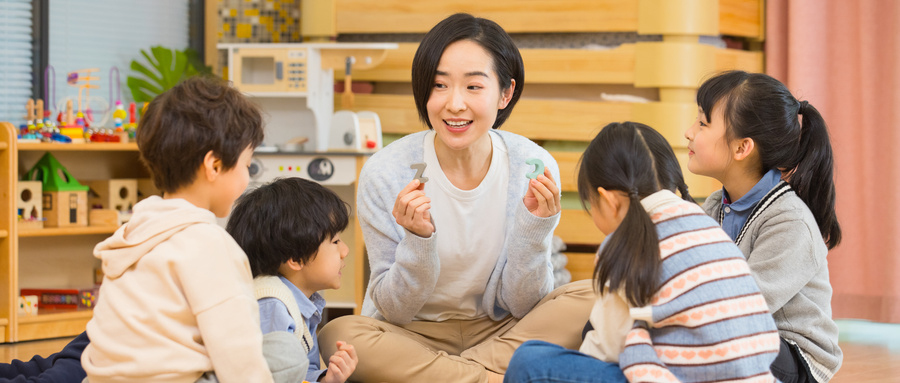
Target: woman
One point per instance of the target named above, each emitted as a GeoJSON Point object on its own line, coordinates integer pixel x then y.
{"type": "Point", "coordinates": [460, 265]}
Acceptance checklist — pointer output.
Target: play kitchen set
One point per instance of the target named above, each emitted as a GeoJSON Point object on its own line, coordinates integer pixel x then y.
{"type": "Point", "coordinates": [305, 137]}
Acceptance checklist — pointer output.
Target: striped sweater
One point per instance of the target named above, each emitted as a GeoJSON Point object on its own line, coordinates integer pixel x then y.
{"type": "Point", "coordinates": [707, 321]}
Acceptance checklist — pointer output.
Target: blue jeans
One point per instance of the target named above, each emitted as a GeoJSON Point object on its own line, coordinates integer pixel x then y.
{"type": "Point", "coordinates": [539, 361]}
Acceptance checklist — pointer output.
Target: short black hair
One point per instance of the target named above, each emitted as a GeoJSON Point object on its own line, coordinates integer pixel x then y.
{"type": "Point", "coordinates": [182, 124]}
{"type": "Point", "coordinates": [286, 219]}
{"type": "Point", "coordinates": [486, 33]}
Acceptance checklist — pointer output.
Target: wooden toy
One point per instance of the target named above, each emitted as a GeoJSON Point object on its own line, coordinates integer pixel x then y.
{"type": "Point", "coordinates": [420, 169]}
{"type": "Point", "coordinates": [64, 199]}
{"type": "Point", "coordinates": [28, 205]}
{"type": "Point", "coordinates": [104, 217]}
{"type": "Point", "coordinates": [55, 298]}
{"type": "Point", "coordinates": [28, 305]}
{"type": "Point", "coordinates": [82, 80]}
{"type": "Point", "coordinates": [538, 167]}
{"type": "Point", "coordinates": [116, 194]}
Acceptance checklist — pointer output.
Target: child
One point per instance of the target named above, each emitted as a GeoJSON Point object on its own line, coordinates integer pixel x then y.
{"type": "Point", "coordinates": [177, 295]}
{"type": "Point", "coordinates": [698, 315]}
{"type": "Point", "coordinates": [290, 230]}
{"type": "Point", "coordinates": [749, 130]}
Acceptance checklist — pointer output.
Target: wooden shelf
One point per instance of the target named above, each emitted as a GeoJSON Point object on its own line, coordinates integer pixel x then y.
{"type": "Point", "coordinates": [4, 321]}
{"type": "Point", "coordinates": [97, 146]}
{"type": "Point", "coordinates": [53, 323]}
{"type": "Point", "coordinates": [4, 234]}
{"type": "Point", "coordinates": [56, 231]}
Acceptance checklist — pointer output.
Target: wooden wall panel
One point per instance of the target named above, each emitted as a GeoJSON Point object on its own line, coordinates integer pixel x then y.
{"type": "Point", "coordinates": [405, 16]}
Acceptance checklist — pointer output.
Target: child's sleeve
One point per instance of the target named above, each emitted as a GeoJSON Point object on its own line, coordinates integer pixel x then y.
{"type": "Point", "coordinates": [611, 324]}
{"type": "Point", "coordinates": [62, 367]}
{"type": "Point", "coordinates": [783, 259]}
{"type": "Point", "coordinates": [274, 316]}
{"type": "Point", "coordinates": [216, 280]}
{"type": "Point", "coordinates": [639, 361]}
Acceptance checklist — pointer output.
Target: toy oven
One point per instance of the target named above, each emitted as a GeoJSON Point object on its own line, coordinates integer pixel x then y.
{"type": "Point", "coordinates": [270, 69]}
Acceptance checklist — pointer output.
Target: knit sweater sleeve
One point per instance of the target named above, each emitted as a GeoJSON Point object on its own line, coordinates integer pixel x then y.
{"type": "Point", "coordinates": [527, 274]}
{"type": "Point", "coordinates": [783, 259]}
{"type": "Point", "coordinates": [639, 361]}
{"type": "Point", "coordinates": [404, 267]}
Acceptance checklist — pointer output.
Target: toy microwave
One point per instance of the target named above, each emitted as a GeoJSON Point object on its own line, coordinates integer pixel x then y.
{"type": "Point", "coordinates": [264, 69]}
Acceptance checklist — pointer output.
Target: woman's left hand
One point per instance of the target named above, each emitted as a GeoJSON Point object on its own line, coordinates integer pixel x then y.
{"type": "Point", "coordinates": [542, 198]}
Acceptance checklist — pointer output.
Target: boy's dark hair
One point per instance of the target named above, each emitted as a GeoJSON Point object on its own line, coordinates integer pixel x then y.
{"type": "Point", "coordinates": [486, 33]}
{"type": "Point", "coordinates": [286, 219]}
{"type": "Point", "coordinates": [635, 159]}
{"type": "Point", "coordinates": [761, 108]}
{"type": "Point", "coordinates": [182, 124]}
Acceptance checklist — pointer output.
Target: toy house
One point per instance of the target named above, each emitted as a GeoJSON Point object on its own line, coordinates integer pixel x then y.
{"type": "Point", "coordinates": [28, 205]}
{"type": "Point", "coordinates": [117, 194]}
{"type": "Point", "coordinates": [64, 200]}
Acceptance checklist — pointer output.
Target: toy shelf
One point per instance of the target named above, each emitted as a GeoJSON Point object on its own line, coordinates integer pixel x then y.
{"type": "Point", "coordinates": [98, 147]}
{"type": "Point", "coordinates": [49, 323]}
{"type": "Point", "coordinates": [58, 231]}
{"type": "Point", "coordinates": [51, 257]}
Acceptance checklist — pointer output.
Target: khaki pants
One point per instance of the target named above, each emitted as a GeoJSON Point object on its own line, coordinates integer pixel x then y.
{"type": "Point", "coordinates": [457, 350]}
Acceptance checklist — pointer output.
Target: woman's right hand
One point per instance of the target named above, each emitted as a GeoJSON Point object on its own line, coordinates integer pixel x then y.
{"type": "Point", "coordinates": [411, 210]}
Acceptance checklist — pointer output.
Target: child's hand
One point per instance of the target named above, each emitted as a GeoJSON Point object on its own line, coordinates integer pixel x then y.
{"type": "Point", "coordinates": [342, 364]}
{"type": "Point", "coordinates": [411, 210]}
{"type": "Point", "coordinates": [542, 198]}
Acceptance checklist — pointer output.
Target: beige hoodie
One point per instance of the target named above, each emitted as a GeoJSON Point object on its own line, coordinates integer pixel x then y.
{"type": "Point", "coordinates": [176, 301]}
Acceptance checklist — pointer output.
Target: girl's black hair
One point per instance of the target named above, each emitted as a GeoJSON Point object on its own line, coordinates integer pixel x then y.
{"type": "Point", "coordinates": [761, 108]}
{"type": "Point", "coordinates": [634, 159]}
{"type": "Point", "coordinates": [287, 219]}
{"type": "Point", "coordinates": [486, 33]}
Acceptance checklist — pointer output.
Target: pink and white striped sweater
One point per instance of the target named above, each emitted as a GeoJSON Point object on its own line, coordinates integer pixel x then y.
{"type": "Point", "coordinates": [707, 321]}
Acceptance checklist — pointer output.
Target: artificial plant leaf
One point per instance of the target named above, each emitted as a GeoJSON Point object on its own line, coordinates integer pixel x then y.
{"type": "Point", "coordinates": [164, 58]}
{"type": "Point", "coordinates": [140, 68]}
{"type": "Point", "coordinates": [142, 90]}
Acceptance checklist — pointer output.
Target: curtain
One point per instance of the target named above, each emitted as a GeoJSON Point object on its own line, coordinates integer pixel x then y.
{"type": "Point", "coordinates": [15, 59]}
{"type": "Point", "coordinates": [844, 58]}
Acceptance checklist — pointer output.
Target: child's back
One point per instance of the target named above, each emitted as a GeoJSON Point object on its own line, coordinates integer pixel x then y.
{"type": "Point", "coordinates": [168, 273]}
{"type": "Point", "coordinates": [708, 318]}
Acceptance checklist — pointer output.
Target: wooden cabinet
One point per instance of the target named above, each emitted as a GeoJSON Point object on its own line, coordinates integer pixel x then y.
{"type": "Point", "coordinates": [51, 257]}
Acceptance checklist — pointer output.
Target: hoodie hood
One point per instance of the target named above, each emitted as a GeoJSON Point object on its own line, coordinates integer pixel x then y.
{"type": "Point", "coordinates": [154, 220]}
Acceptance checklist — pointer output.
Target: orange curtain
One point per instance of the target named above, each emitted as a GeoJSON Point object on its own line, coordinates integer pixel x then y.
{"type": "Point", "coordinates": [844, 58]}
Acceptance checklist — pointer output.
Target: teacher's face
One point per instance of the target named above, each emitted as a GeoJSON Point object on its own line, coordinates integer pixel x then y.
{"type": "Point", "coordinates": [466, 95]}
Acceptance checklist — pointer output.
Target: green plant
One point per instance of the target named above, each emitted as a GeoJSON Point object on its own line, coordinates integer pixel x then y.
{"type": "Point", "coordinates": [167, 68]}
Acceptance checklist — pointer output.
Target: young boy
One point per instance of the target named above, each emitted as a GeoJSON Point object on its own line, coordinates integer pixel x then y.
{"type": "Point", "coordinates": [290, 230]}
{"type": "Point", "coordinates": [177, 299]}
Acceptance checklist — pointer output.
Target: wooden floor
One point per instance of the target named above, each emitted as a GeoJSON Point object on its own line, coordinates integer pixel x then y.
{"type": "Point", "coordinates": [871, 352]}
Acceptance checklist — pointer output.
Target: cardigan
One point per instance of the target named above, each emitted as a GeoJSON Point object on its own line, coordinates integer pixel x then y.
{"type": "Point", "coordinates": [405, 267]}
{"type": "Point", "coordinates": [707, 321]}
{"type": "Point", "coordinates": [787, 257]}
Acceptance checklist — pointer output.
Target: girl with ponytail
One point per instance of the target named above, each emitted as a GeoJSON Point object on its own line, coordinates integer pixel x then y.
{"type": "Point", "coordinates": [676, 298]}
{"type": "Point", "coordinates": [772, 154]}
